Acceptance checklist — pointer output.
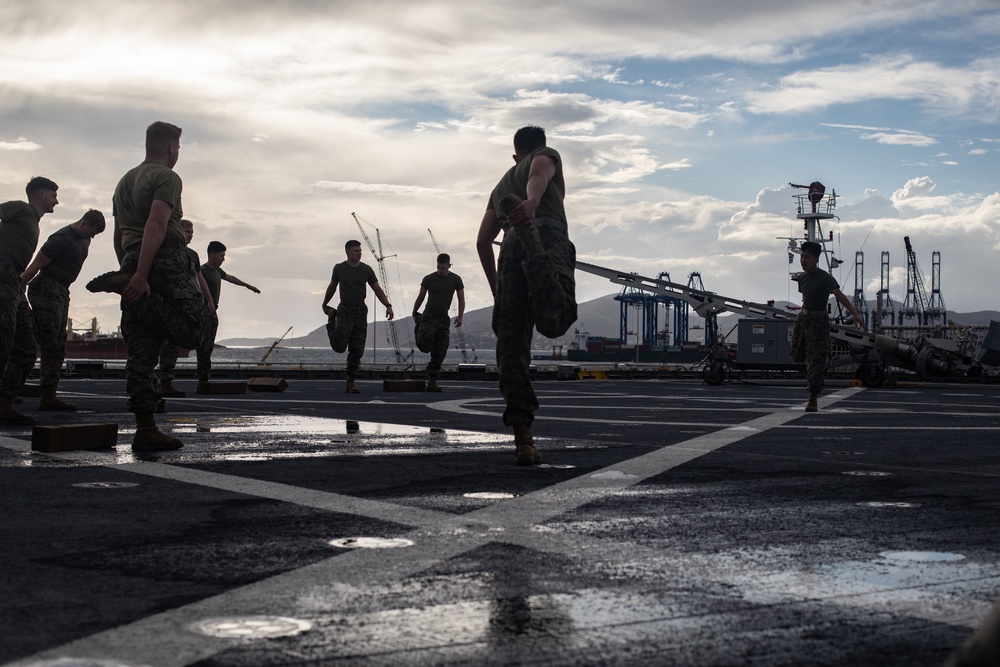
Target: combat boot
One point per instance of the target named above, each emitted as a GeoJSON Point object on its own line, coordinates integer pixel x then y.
{"type": "Point", "coordinates": [148, 438]}
{"type": "Point", "coordinates": [114, 281]}
{"type": "Point", "coordinates": [525, 453]}
{"type": "Point", "coordinates": [432, 385]}
{"type": "Point", "coordinates": [168, 390]}
{"type": "Point", "coordinates": [811, 406]}
{"type": "Point", "coordinates": [11, 417]}
{"type": "Point", "coordinates": [350, 388]}
{"type": "Point", "coordinates": [50, 402]}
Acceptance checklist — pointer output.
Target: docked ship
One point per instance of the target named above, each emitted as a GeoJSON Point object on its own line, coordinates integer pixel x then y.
{"type": "Point", "coordinates": [92, 344]}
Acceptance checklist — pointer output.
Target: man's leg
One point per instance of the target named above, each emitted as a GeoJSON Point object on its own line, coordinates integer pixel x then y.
{"type": "Point", "coordinates": [357, 337]}
{"type": "Point", "coordinates": [165, 370]}
{"type": "Point", "coordinates": [206, 348]}
{"type": "Point", "coordinates": [513, 325]}
{"type": "Point", "coordinates": [180, 310]}
{"type": "Point", "coordinates": [439, 349]}
{"type": "Point", "coordinates": [15, 336]}
{"type": "Point", "coordinates": [50, 309]}
{"type": "Point", "coordinates": [817, 344]}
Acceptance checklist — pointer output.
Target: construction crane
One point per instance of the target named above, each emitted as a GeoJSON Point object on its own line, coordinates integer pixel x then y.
{"type": "Point", "coordinates": [272, 348]}
{"type": "Point", "coordinates": [380, 259]}
{"type": "Point", "coordinates": [915, 304]}
{"type": "Point", "coordinates": [459, 333]}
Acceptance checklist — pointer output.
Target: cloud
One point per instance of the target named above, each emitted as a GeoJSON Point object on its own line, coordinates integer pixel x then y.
{"type": "Point", "coordinates": [19, 144]}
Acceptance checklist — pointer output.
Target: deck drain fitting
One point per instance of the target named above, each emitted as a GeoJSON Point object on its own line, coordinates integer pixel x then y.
{"type": "Point", "coordinates": [490, 495]}
{"type": "Point", "coordinates": [105, 485]}
{"type": "Point", "coordinates": [371, 543]}
{"type": "Point", "coordinates": [867, 473]}
{"type": "Point", "coordinates": [251, 627]}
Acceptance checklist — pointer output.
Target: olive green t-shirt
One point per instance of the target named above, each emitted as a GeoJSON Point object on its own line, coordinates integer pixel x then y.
{"type": "Point", "coordinates": [440, 290]}
{"type": "Point", "coordinates": [18, 232]}
{"type": "Point", "coordinates": [213, 278]}
{"type": "Point", "coordinates": [816, 288]}
{"type": "Point", "coordinates": [515, 181]}
{"type": "Point", "coordinates": [67, 252]}
{"type": "Point", "coordinates": [352, 282]}
{"type": "Point", "coordinates": [134, 197]}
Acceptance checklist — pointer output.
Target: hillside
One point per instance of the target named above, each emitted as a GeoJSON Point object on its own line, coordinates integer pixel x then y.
{"type": "Point", "coordinates": [598, 317]}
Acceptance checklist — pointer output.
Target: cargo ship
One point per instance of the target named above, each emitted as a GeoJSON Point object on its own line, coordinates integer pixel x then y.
{"type": "Point", "coordinates": [92, 344]}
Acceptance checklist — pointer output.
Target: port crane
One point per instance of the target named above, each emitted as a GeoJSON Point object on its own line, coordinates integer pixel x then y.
{"type": "Point", "coordinates": [380, 259]}
{"type": "Point", "coordinates": [459, 333]}
{"type": "Point", "coordinates": [874, 353]}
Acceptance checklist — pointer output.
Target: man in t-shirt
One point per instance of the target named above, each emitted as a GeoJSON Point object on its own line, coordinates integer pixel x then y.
{"type": "Point", "coordinates": [54, 269]}
{"type": "Point", "coordinates": [532, 280]}
{"type": "Point", "coordinates": [161, 298]}
{"type": "Point", "coordinates": [214, 275]}
{"type": "Point", "coordinates": [347, 325]}
{"type": "Point", "coordinates": [811, 333]}
{"type": "Point", "coordinates": [18, 240]}
{"type": "Point", "coordinates": [433, 328]}
{"type": "Point", "coordinates": [170, 351]}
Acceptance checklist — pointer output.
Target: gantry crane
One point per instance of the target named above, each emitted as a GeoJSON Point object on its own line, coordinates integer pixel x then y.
{"type": "Point", "coordinates": [459, 333]}
{"type": "Point", "coordinates": [380, 259]}
{"type": "Point", "coordinates": [915, 305]}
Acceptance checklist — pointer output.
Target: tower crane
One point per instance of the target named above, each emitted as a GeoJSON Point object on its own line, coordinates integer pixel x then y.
{"type": "Point", "coordinates": [380, 259]}
{"type": "Point", "coordinates": [459, 333]}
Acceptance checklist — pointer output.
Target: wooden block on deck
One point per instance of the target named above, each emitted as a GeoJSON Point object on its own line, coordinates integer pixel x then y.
{"type": "Point", "coordinates": [31, 390]}
{"type": "Point", "coordinates": [221, 388]}
{"type": "Point", "coordinates": [68, 437]}
{"type": "Point", "coordinates": [267, 384]}
{"type": "Point", "coordinates": [404, 385]}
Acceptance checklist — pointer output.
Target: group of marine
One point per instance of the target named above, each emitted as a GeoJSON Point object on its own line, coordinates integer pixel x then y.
{"type": "Point", "coordinates": [169, 299]}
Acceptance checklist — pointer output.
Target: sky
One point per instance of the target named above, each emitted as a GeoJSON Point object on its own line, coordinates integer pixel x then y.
{"type": "Point", "coordinates": [680, 125]}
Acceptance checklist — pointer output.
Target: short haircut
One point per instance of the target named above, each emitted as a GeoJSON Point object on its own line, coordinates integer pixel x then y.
{"type": "Point", "coordinates": [812, 248]}
{"type": "Point", "coordinates": [95, 220]}
{"type": "Point", "coordinates": [186, 223]}
{"type": "Point", "coordinates": [353, 243]}
{"type": "Point", "coordinates": [528, 139]}
{"type": "Point", "coordinates": [160, 135]}
{"type": "Point", "coordinates": [39, 183]}
{"type": "Point", "coordinates": [216, 246]}
{"type": "Point", "coordinates": [444, 258]}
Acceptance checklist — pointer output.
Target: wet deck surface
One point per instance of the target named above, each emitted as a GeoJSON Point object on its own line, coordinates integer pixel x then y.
{"type": "Point", "coordinates": [671, 523]}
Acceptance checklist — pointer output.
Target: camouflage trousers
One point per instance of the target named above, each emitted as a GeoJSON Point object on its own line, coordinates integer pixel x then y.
{"type": "Point", "coordinates": [348, 330]}
{"type": "Point", "coordinates": [433, 335]}
{"type": "Point", "coordinates": [536, 288]}
{"type": "Point", "coordinates": [50, 310]}
{"type": "Point", "coordinates": [169, 353]}
{"type": "Point", "coordinates": [17, 336]}
{"type": "Point", "coordinates": [811, 345]}
{"type": "Point", "coordinates": [175, 312]}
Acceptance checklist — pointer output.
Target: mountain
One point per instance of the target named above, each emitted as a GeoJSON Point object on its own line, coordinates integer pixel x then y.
{"type": "Point", "coordinates": [597, 317]}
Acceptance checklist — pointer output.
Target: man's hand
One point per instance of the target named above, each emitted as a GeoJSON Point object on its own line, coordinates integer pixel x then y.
{"type": "Point", "coordinates": [388, 313]}
{"type": "Point", "coordinates": [458, 321]}
{"type": "Point", "coordinates": [137, 288]}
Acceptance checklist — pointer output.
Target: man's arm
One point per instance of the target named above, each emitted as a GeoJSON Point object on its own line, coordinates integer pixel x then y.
{"type": "Point", "coordinates": [416, 305]}
{"type": "Point", "coordinates": [461, 307]}
{"type": "Point", "coordinates": [236, 281]}
{"type": "Point", "coordinates": [117, 236]}
{"type": "Point", "coordinates": [377, 289]}
{"type": "Point", "coordinates": [152, 238]}
{"type": "Point", "coordinates": [489, 229]}
{"type": "Point", "coordinates": [846, 303]}
{"type": "Point", "coordinates": [207, 294]}
{"type": "Point", "coordinates": [33, 268]}
{"type": "Point", "coordinates": [542, 169]}
{"type": "Point", "coordinates": [330, 290]}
